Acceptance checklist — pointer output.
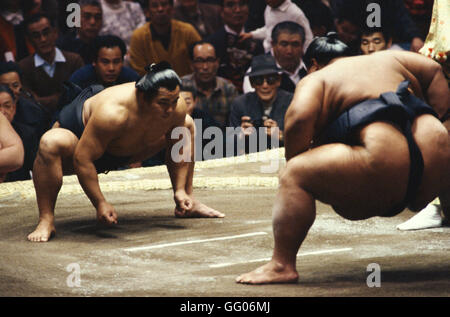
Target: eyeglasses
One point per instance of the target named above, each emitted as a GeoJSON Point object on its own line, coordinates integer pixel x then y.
{"type": "Point", "coordinates": [209, 60]}
{"type": "Point", "coordinates": [232, 5]}
{"type": "Point", "coordinates": [259, 80]}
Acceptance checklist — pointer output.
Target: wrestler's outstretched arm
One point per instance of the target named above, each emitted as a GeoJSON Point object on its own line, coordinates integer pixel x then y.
{"type": "Point", "coordinates": [179, 158]}
{"type": "Point", "coordinates": [180, 165]}
{"type": "Point", "coordinates": [101, 129]}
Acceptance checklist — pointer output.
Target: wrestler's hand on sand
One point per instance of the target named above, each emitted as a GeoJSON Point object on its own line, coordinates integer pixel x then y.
{"type": "Point", "coordinates": [106, 213]}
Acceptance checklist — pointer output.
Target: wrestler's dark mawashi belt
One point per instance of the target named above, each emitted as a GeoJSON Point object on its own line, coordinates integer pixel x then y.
{"type": "Point", "coordinates": [399, 108]}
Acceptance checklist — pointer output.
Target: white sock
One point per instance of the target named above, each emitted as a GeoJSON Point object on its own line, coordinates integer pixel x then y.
{"type": "Point", "coordinates": [429, 217]}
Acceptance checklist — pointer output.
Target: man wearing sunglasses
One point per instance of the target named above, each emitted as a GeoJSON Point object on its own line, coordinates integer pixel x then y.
{"type": "Point", "coordinates": [266, 106]}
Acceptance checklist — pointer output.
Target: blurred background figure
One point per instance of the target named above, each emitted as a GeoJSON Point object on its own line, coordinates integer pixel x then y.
{"type": "Point", "coordinates": [121, 18]}
{"type": "Point", "coordinates": [81, 40]}
{"type": "Point", "coordinates": [205, 17]}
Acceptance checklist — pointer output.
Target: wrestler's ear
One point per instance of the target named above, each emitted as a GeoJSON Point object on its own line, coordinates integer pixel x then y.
{"type": "Point", "coordinates": [314, 66]}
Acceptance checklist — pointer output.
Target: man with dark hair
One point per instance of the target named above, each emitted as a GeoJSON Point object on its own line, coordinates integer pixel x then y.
{"type": "Point", "coordinates": [376, 39]}
{"type": "Point", "coordinates": [352, 15]}
{"type": "Point", "coordinates": [319, 15]}
{"type": "Point", "coordinates": [287, 49]}
{"type": "Point", "coordinates": [234, 55]}
{"type": "Point", "coordinates": [28, 111]}
{"type": "Point", "coordinates": [324, 49]}
{"type": "Point", "coordinates": [81, 40]}
{"type": "Point", "coordinates": [215, 94]}
{"type": "Point", "coordinates": [279, 11]}
{"type": "Point", "coordinates": [367, 147]}
{"type": "Point", "coordinates": [46, 70]}
{"type": "Point", "coordinates": [102, 130]}
{"type": "Point", "coordinates": [205, 17]}
{"type": "Point", "coordinates": [107, 69]}
{"type": "Point", "coordinates": [13, 43]}
{"type": "Point", "coordinates": [162, 39]}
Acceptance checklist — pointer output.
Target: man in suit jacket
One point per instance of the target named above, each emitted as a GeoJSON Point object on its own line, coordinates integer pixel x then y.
{"type": "Point", "coordinates": [46, 70]}
{"type": "Point", "coordinates": [235, 55]}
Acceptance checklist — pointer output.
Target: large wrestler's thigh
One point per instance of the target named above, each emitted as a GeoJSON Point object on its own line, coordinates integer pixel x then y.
{"type": "Point", "coordinates": [433, 139]}
{"type": "Point", "coordinates": [358, 181]}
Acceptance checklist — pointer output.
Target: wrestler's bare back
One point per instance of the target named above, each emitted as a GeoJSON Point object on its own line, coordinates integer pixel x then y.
{"type": "Point", "coordinates": [348, 81]}
{"type": "Point", "coordinates": [143, 127]}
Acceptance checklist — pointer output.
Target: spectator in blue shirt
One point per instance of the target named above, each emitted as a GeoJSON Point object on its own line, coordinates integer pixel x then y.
{"type": "Point", "coordinates": [107, 69]}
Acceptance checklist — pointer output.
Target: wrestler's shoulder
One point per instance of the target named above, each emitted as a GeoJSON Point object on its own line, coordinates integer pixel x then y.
{"type": "Point", "coordinates": [112, 112]}
{"type": "Point", "coordinates": [314, 81]}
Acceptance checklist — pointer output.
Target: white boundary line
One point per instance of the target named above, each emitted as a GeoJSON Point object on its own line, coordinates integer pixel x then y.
{"type": "Point", "coordinates": [268, 259]}
{"type": "Point", "coordinates": [159, 246]}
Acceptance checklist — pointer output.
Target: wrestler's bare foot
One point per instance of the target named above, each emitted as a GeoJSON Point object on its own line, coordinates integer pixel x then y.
{"type": "Point", "coordinates": [199, 210]}
{"type": "Point", "coordinates": [43, 232]}
{"type": "Point", "coordinates": [272, 272]}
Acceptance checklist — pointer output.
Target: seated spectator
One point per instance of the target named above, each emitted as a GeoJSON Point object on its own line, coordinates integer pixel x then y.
{"type": "Point", "coordinates": [28, 111]}
{"type": "Point", "coordinates": [26, 133]}
{"type": "Point", "coordinates": [279, 11]}
{"type": "Point", "coordinates": [11, 148]}
{"type": "Point", "coordinates": [46, 70]}
{"type": "Point", "coordinates": [201, 119]}
{"type": "Point", "coordinates": [376, 39]}
{"type": "Point", "coordinates": [107, 69]}
{"type": "Point", "coordinates": [13, 43]}
{"type": "Point", "coordinates": [121, 18]}
{"type": "Point", "coordinates": [162, 39]}
{"type": "Point", "coordinates": [319, 16]}
{"type": "Point", "coordinates": [81, 40]}
{"type": "Point", "coordinates": [420, 12]}
{"type": "Point", "coordinates": [204, 17]}
{"type": "Point", "coordinates": [235, 56]}
{"type": "Point", "coordinates": [287, 49]}
{"type": "Point", "coordinates": [394, 16]}
{"type": "Point", "coordinates": [255, 14]}
{"type": "Point", "coordinates": [264, 108]}
{"type": "Point", "coordinates": [214, 93]}
{"type": "Point", "coordinates": [348, 23]}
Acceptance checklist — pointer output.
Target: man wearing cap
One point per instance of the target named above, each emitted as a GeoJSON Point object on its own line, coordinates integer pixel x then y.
{"type": "Point", "coordinates": [102, 130]}
{"type": "Point", "coordinates": [267, 105]}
